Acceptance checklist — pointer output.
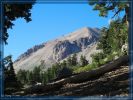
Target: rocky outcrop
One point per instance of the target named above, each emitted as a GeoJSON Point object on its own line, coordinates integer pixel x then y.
{"type": "Point", "coordinates": [64, 48]}
{"type": "Point", "coordinates": [82, 42]}
{"type": "Point", "coordinates": [30, 51]}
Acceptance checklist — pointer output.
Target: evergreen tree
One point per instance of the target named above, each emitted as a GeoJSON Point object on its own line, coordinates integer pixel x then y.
{"type": "Point", "coordinates": [12, 12]}
{"type": "Point", "coordinates": [113, 37]}
{"type": "Point", "coordinates": [36, 74]}
{"type": "Point", "coordinates": [116, 6]}
{"type": "Point", "coordinates": [83, 60]}
{"type": "Point", "coordinates": [97, 57]}
{"type": "Point", "coordinates": [30, 77]}
{"type": "Point", "coordinates": [21, 76]}
{"type": "Point", "coordinates": [50, 74]}
{"type": "Point", "coordinates": [55, 68]}
{"type": "Point", "coordinates": [42, 77]}
{"type": "Point", "coordinates": [45, 78]}
{"type": "Point", "coordinates": [74, 60]}
{"type": "Point", "coordinates": [53, 73]}
{"type": "Point", "coordinates": [69, 61]}
{"type": "Point", "coordinates": [63, 64]}
{"type": "Point", "coordinates": [116, 34]}
{"type": "Point", "coordinates": [11, 83]}
{"type": "Point", "coordinates": [103, 41]}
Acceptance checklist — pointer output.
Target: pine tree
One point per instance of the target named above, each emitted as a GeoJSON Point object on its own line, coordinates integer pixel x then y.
{"type": "Point", "coordinates": [116, 33]}
{"type": "Point", "coordinates": [50, 74]}
{"type": "Point", "coordinates": [45, 78]}
{"type": "Point", "coordinates": [104, 41]}
{"type": "Point", "coordinates": [113, 37]}
{"type": "Point", "coordinates": [63, 64]}
{"type": "Point", "coordinates": [11, 83]}
{"type": "Point", "coordinates": [83, 60]}
{"type": "Point", "coordinates": [12, 12]}
{"type": "Point", "coordinates": [74, 60]}
{"type": "Point", "coordinates": [36, 74]}
{"type": "Point", "coordinates": [30, 77]}
{"type": "Point", "coordinates": [21, 76]}
{"type": "Point", "coordinates": [69, 61]}
{"type": "Point", "coordinates": [116, 6]}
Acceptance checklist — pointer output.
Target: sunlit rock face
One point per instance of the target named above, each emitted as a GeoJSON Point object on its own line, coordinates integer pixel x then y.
{"type": "Point", "coordinates": [64, 48]}
{"type": "Point", "coordinates": [82, 41]}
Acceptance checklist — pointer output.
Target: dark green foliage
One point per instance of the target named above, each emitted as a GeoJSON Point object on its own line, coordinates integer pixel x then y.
{"type": "Point", "coordinates": [29, 77]}
{"type": "Point", "coordinates": [13, 12]}
{"type": "Point", "coordinates": [103, 41]}
{"type": "Point", "coordinates": [64, 72]}
{"type": "Point", "coordinates": [119, 32]}
{"type": "Point", "coordinates": [21, 75]}
{"type": "Point", "coordinates": [113, 37]}
{"type": "Point", "coordinates": [51, 74]}
{"type": "Point", "coordinates": [11, 84]}
{"type": "Point", "coordinates": [36, 73]}
{"type": "Point", "coordinates": [74, 60]}
{"type": "Point", "coordinates": [44, 77]}
{"type": "Point", "coordinates": [40, 74]}
{"type": "Point", "coordinates": [116, 6]}
{"type": "Point", "coordinates": [56, 67]}
{"type": "Point", "coordinates": [97, 58]}
{"type": "Point", "coordinates": [83, 61]}
{"type": "Point", "coordinates": [111, 41]}
{"type": "Point", "coordinates": [63, 64]}
{"type": "Point", "coordinates": [69, 61]}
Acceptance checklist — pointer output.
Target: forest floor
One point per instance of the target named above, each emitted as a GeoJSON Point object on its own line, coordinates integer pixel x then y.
{"type": "Point", "coordinates": [113, 83]}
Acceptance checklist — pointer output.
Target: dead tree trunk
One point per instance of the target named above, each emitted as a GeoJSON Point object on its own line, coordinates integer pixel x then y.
{"type": "Point", "coordinates": [100, 71]}
{"type": "Point", "coordinates": [96, 72]}
{"type": "Point", "coordinates": [84, 76]}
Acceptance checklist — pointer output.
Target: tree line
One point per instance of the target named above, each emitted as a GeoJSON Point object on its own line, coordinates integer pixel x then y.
{"type": "Point", "coordinates": [43, 75]}
{"type": "Point", "coordinates": [110, 44]}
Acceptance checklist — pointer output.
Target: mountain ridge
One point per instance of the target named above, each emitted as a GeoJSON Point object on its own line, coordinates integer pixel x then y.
{"type": "Point", "coordinates": [59, 48]}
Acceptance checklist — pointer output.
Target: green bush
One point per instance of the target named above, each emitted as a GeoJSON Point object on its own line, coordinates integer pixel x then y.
{"type": "Point", "coordinates": [85, 68]}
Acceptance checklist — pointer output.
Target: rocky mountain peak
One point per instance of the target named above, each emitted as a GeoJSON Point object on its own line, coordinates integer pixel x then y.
{"type": "Point", "coordinates": [81, 41]}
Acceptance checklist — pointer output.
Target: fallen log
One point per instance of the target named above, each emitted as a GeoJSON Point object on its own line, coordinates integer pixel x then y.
{"type": "Point", "coordinates": [96, 72]}
{"type": "Point", "coordinates": [100, 71]}
{"type": "Point", "coordinates": [84, 76]}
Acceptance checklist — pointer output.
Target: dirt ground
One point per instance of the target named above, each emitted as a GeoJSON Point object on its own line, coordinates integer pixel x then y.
{"type": "Point", "coordinates": [114, 83]}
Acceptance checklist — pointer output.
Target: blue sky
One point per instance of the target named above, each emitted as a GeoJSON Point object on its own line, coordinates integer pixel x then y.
{"type": "Point", "coordinates": [50, 21]}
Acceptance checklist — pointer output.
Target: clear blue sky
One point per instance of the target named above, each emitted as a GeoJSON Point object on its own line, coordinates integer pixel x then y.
{"type": "Point", "coordinates": [49, 21]}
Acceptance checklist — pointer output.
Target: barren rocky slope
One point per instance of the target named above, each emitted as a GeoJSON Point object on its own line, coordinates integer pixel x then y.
{"type": "Point", "coordinates": [82, 41]}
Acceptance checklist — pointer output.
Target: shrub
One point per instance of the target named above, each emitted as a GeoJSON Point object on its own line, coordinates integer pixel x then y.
{"type": "Point", "coordinates": [86, 68]}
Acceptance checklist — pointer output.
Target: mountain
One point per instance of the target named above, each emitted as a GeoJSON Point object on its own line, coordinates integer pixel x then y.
{"type": "Point", "coordinates": [82, 41]}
